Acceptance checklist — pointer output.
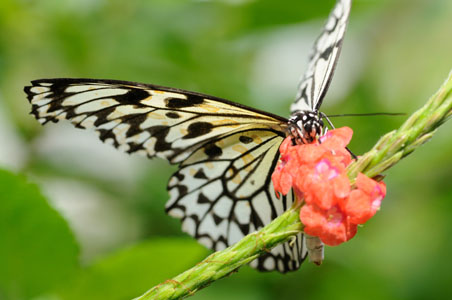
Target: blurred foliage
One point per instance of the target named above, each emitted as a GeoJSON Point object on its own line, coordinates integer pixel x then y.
{"type": "Point", "coordinates": [106, 278]}
{"type": "Point", "coordinates": [396, 54]}
{"type": "Point", "coordinates": [37, 251]}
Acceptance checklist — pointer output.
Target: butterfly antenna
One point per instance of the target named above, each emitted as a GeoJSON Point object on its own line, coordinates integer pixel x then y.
{"type": "Point", "coordinates": [362, 115]}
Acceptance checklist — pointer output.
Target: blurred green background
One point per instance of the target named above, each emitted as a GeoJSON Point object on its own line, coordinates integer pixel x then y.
{"type": "Point", "coordinates": [80, 220]}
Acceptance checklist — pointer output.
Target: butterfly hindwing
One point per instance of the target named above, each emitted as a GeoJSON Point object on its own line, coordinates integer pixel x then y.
{"type": "Point", "coordinates": [221, 198]}
{"type": "Point", "coordinates": [226, 152]}
{"type": "Point", "coordinates": [323, 60]}
{"type": "Point", "coordinates": [284, 257]}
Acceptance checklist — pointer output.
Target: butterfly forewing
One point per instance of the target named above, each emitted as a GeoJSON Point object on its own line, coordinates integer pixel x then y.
{"type": "Point", "coordinates": [323, 60]}
{"type": "Point", "coordinates": [226, 152]}
{"type": "Point", "coordinates": [151, 120]}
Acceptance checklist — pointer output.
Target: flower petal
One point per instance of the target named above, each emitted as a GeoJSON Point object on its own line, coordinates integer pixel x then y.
{"type": "Point", "coordinates": [337, 138]}
{"type": "Point", "coordinates": [313, 219]}
{"type": "Point", "coordinates": [341, 186]}
{"type": "Point", "coordinates": [358, 207]}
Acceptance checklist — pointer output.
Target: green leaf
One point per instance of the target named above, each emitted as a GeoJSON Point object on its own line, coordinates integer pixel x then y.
{"type": "Point", "coordinates": [130, 272]}
{"type": "Point", "coordinates": [37, 248]}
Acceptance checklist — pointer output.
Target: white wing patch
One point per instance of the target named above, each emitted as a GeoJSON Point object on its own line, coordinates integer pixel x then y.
{"type": "Point", "coordinates": [316, 80]}
{"type": "Point", "coordinates": [226, 153]}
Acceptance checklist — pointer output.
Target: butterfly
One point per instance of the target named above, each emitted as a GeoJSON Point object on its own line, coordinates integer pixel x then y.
{"type": "Point", "coordinates": [226, 152]}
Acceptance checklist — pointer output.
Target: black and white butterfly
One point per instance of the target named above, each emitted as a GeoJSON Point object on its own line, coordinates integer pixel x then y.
{"type": "Point", "coordinates": [226, 152]}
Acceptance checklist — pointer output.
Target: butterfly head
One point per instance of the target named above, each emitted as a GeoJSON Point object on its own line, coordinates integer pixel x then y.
{"type": "Point", "coordinates": [305, 126]}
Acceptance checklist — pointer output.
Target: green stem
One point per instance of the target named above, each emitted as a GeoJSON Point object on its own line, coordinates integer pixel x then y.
{"type": "Point", "coordinates": [223, 263]}
{"type": "Point", "coordinates": [392, 147]}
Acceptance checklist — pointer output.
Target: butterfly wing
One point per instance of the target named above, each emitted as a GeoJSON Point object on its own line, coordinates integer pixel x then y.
{"type": "Point", "coordinates": [226, 152]}
{"type": "Point", "coordinates": [223, 191]}
{"type": "Point", "coordinates": [151, 120]}
{"type": "Point", "coordinates": [323, 60]}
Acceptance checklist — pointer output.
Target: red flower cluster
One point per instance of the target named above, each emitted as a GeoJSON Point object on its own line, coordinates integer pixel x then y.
{"type": "Point", "coordinates": [317, 172]}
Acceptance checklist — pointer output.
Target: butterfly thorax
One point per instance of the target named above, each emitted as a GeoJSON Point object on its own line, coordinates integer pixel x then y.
{"type": "Point", "coordinates": [305, 126]}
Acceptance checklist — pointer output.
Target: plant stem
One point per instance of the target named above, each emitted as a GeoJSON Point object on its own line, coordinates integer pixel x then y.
{"type": "Point", "coordinates": [392, 147]}
{"type": "Point", "coordinates": [223, 263]}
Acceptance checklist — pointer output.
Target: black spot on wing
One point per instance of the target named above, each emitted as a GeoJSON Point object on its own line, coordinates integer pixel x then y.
{"type": "Point", "coordinates": [326, 54]}
{"type": "Point", "coordinates": [179, 176]}
{"type": "Point", "coordinates": [160, 132]}
{"type": "Point", "coordinates": [133, 147]}
{"type": "Point", "coordinates": [105, 134]}
{"type": "Point", "coordinates": [101, 116]}
{"type": "Point", "coordinates": [200, 174]}
{"type": "Point", "coordinates": [198, 129]}
{"type": "Point", "coordinates": [212, 151]}
{"type": "Point", "coordinates": [191, 100]}
{"type": "Point", "coordinates": [135, 121]}
{"type": "Point", "coordinates": [202, 199]}
{"type": "Point", "coordinates": [244, 228]}
{"type": "Point", "coordinates": [172, 115]}
{"type": "Point", "coordinates": [133, 96]}
{"type": "Point", "coordinates": [59, 91]}
{"type": "Point", "coordinates": [217, 219]}
{"type": "Point", "coordinates": [182, 189]}
{"type": "Point", "coordinates": [255, 219]}
{"type": "Point", "coordinates": [245, 139]}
